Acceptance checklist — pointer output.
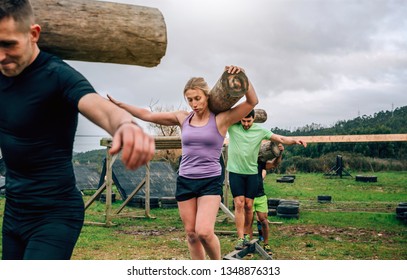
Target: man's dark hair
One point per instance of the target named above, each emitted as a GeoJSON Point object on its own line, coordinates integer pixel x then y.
{"type": "Point", "coordinates": [251, 114]}
{"type": "Point", "coordinates": [20, 10]}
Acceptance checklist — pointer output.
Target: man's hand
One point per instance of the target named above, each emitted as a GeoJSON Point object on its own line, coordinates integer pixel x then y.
{"type": "Point", "coordinates": [137, 147]}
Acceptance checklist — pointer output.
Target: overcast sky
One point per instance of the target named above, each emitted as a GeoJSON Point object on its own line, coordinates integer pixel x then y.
{"type": "Point", "coordinates": [310, 61]}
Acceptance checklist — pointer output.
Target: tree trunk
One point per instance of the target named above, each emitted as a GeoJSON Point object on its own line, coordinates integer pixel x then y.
{"type": "Point", "coordinates": [260, 116]}
{"type": "Point", "coordinates": [95, 31]}
{"type": "Point", "coordinates": [227, 91]}
{"type": "Point", "coordinates": [268, 151]}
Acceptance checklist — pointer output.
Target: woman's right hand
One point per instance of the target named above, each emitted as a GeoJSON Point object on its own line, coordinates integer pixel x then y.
{"type": "Point", "coordinates": [233, 69]}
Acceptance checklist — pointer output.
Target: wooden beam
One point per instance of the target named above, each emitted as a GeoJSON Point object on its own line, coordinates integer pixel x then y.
{"type": "Point", "coordinates": [174, 142]}
{"type": "Point", "coordinates": [96, 31]}
{"type": "Point", "coordinates": [349, 138]}
{"type": "Point", "coordinates": [354, 138]}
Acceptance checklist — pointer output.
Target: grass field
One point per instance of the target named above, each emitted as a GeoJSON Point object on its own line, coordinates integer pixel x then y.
{"type": "Point", "coordinates": [359, 224]}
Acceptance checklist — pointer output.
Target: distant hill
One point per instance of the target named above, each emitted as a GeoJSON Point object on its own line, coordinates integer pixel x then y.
{"type": "Point", "coordinates": [383, 122]}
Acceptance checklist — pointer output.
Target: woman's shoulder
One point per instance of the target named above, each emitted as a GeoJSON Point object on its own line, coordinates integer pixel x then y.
{"type": "Point", "coordinates": [183, 115]}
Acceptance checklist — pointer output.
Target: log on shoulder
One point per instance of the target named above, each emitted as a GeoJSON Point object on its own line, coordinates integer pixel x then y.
{"type": "Point", "coordinates": [95, 31]}
{"type": "Point", "coordinates": [260, 116]}
{"type": "Point", "coordinates": [268, 151]}
{"type": "Point", "coordinates": [227, 91]}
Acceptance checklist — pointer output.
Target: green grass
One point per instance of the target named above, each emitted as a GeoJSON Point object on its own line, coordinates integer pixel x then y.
{"type": "Point", "coordinates": [359, 224]}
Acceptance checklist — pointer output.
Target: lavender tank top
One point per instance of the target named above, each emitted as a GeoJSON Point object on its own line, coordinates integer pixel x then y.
{"type": "Point", "coordinates": [201, 149]}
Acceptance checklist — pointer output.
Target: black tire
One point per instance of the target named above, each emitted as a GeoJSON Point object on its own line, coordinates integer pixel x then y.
{"type": "Point", "coordinates": [154, 202]}
{"type": "Point", "coordinates": [401, 209]}
{"type": "Point", "coordinates": [273, 202]}
{"type": "Point", "coordinates": [324, 198]}
{"type": "Point", "coordinates": [290, 202]}
{"type": "Point", "coordinates": [288, 209]}
{"type": "Point", "coordinates": [402, 204]}
{"type": "Point", "coordinates": [168, 206]}
{"type": "Point", "coordinates": [135, 202]}
{"type": "Point", "coordinates": [103, 197]}
{"type": "Point", "coordinates": [288, 216]}
{"type": "Point", "coordinates": [169, 202]}
{"type": "Point", "coordinates": [285, 180]}
{"type": "Point", "coordinates": [289, 176]}
{"type": "Point", "coordinates": [401, 216]}
{"type": "Point", "coordinates": [272, 212]}
{"type": "Point", "coordinates": [362, 178]}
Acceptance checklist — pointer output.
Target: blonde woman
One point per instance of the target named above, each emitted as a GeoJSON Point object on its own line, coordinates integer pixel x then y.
{"type": "Point", "coordinates": [199, 184]}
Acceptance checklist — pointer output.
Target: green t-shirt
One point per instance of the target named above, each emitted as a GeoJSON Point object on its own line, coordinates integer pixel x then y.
{"type": "Point", "coordinates": [244, 146]}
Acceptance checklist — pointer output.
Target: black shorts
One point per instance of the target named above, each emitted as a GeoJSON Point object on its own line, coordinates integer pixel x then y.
{"type": "Point", "coordinates": [243, 184]}
{"type": "Point", "coordinates": [41, 234]}
{"type": "Point", "coordinates": [190, 188]}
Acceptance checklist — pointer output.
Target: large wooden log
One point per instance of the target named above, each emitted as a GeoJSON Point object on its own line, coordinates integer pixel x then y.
{"type": "Point", "coordinates": [96, 31]}
{"type": "Point", "coordinates": [260, 116]}
{"type": "Point", "coordinates": [268, 151]}
{"type": "Point", "coordinates": [227, 91]}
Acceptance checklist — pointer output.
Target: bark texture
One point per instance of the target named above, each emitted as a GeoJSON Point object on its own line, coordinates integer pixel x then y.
{"type": "Point", "coordinates": [95, 31]}
{"type": "Point", "coordinates": [260, 116]}
{"type": "Point", "coordinates": [227, 91]}
{"type": "Point", "coordinates": [268, 151]}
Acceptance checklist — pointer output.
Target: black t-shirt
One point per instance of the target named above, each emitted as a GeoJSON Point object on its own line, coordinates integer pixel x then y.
{"type": "Point", "coordinates": [260, 187]}
{"type": "Point", "coordinates": [38, 121]}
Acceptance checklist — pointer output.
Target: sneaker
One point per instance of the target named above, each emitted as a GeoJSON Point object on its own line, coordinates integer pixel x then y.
{"type": "Point", "coordinates": [267, 248]}
{"type": "Point", "coordinates": [239, 245]}
{"type": "Point", "coordinates": [246, 240]}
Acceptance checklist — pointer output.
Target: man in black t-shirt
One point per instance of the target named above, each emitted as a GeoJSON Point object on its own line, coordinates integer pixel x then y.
{"type": "Point", "coordinates": [40, 98]}
{"type": "Point", "coordinates": [260, 205]}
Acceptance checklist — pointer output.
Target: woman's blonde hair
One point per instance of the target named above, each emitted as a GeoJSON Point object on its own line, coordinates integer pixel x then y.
{"type": "Point", "coordinates": [197, 83]}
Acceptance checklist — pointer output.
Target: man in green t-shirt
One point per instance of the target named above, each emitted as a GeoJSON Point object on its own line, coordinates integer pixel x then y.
{"type": "Point", "coordinates": [244, 144]}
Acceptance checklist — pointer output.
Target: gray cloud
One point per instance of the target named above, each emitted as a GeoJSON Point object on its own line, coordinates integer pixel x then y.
{"type": "Point", "coordinates": [310, 61]}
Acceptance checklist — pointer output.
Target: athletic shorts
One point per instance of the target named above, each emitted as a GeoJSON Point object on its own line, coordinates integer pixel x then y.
{"type": "Point", "coordinates": [191, 188]}
{"type": "Point", "coordinates": [41, 234]}
{"type": "Point", "coordinates": [243, 184]}
{"type": "Point", "coordinates": [260, 204]}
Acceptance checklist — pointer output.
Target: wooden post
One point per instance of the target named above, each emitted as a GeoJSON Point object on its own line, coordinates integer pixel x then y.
{"type": "Point", "coordinates": [96, 31]}
{"type": "Point", "coordinates": [109, 182]}
{"type": "Point", "coordinates": [227, 91]}
{"type": "Point", "coordinates": [147, 191]}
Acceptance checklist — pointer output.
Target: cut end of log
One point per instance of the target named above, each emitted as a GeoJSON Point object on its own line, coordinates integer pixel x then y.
{"type": "Point", "coordinates": [235, 84]}
{"type": "Point", "coordinates": [260, 116]}
{"type": "Point", "coordinates": [227, 91]}
{"type": "Point", "coordinates": [268, 151]}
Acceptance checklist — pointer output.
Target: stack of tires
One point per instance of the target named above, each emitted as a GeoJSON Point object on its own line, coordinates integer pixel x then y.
{"type": "Point", "coordinates": [286, 179]}
{"type": "Point", "coordinates": [324, 198]}
{"type": "Point", "coordinates": [288, 209]}
{"type": "Point", "coordinates": [401, 212]}
{"type": "Point", "coordinates": [272, 206]}
{"type": "Point", "coordinates": [168, 202]}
